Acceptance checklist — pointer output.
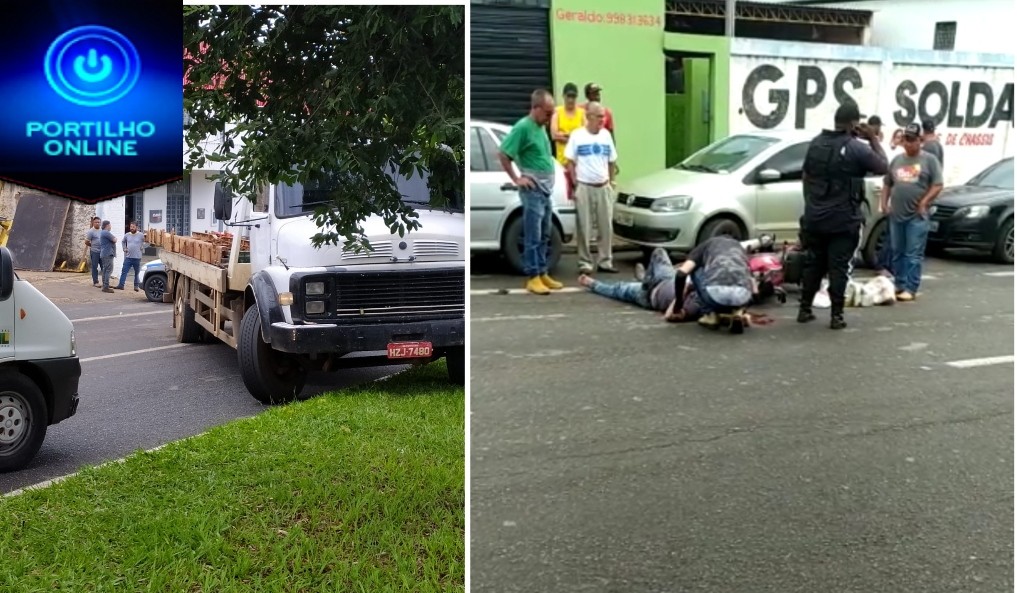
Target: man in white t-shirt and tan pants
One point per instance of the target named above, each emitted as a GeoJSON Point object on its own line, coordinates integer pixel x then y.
{"type": "Point", "coordinates": [592, 164]}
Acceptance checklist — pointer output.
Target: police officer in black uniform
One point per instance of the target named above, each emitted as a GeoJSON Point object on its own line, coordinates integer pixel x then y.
{"type": "Point", "coordinates": [834, 172]}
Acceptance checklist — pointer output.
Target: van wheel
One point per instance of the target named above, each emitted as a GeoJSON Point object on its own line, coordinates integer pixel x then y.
{"type": "Point", "coordinates": [455, 361]}
{"type": "Point", "coordinates": [23, 421]}
{"type": "Point", "coordinates": [188, 330]}
{"type": "Point", "coordinates": [720, 227]}
{"type": "Point", "coordinates": [272, 377]}
{"type": "Point", "coordinates": [877, 238]}
{"type": "Point", "coordinates": [512, 246]}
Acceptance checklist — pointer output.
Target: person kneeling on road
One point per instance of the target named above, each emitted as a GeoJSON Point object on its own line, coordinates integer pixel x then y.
{"type": "Point", "coordinates": [721, 280]}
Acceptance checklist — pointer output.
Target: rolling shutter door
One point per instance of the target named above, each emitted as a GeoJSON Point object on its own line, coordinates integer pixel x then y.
{"type": "Point", "coordinates": [510, 57]}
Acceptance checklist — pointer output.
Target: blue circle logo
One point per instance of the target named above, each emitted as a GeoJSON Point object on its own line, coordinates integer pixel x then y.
{"type": "Point", "coordinates": [92, 66]}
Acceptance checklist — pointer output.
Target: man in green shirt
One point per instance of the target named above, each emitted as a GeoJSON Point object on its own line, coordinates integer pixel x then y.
{"type": "Point", "coordinates": [528, 146]}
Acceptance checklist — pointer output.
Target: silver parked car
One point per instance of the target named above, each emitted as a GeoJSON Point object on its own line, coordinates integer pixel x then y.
{"type": "Point", "coordinates": [496, 214]}
{"type": "Point", "coordinates": [744, 186]}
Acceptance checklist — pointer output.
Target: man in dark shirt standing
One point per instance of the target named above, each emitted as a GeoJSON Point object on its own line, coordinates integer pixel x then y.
{"type": "Point", "coordinates": [833, 178]}
{"type": "Point", "coordinates": [930, 143]}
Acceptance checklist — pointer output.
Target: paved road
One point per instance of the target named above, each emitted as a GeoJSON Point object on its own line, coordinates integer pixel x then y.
{"type": "Point", "coordinates": [139, 388]}
{"type": "Point", "coordinates": [614, 453]}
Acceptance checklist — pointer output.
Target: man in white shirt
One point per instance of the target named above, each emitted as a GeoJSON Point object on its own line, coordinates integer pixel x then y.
{"type": "Point", "coordinates": [592, 165]}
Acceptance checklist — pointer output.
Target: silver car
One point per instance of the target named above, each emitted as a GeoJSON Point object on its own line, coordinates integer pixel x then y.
{"type": "Point", "coordinates": [744, 186]}
{"type": "Point", "coordinates": [496, 214]}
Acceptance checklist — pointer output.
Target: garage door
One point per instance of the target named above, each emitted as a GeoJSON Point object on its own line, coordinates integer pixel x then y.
{"type": "Point", "coordinates": [510, 57]}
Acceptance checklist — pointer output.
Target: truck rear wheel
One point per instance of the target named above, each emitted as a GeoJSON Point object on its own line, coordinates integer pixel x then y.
{"type": "Point", "coordinates": [272, 377]}
{"type": "Point", "coordinates": [188, 330]}
{"type": "Point", "coordinates": [455, 361]}
{"type": "Point", "coordinates": [23, 420]}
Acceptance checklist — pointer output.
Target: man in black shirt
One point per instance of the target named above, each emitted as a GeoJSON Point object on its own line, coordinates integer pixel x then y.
{"type": "Point", "coordinates": [833, 178]}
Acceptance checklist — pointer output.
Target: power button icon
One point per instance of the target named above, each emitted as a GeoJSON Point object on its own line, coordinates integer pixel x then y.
{"type": "Point", "coordinates": [92, 66]}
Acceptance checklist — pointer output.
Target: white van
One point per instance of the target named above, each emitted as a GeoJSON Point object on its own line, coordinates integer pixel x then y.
{"type": "Point", "coordinates": [39, 367]}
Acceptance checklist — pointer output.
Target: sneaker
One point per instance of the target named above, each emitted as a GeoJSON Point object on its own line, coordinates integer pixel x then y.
{"type": "Point", "coordinates": [107, 290]}
{"type": "Point", "coordinates": [607, 269]}
{"type": "Point", "coordinates": [535, 286]}
{"type": "Point", "coordinates": [119, 287]}
{"type": "Point", "coordinates": [709, 320]}
{"type": "Point", "coordinates": [905, 296]}
{"type": "Point", "coordinates": [137, 289]}
{"type": "Point", "coordinates": [584, 269]}
{"type": "Point", "coordinates": [550, 282]}
{"type": "Point", "coordinates": [96, 284]}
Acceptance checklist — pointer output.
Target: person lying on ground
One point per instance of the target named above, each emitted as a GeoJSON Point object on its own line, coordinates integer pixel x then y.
{"type": "Point", "coordinates": [722, 281]}
{"type": "Point", "coordinates": [653, 288]}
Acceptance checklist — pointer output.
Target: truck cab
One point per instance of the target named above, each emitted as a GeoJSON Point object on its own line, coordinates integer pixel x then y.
{"type": "Point", "coordinates": [39, 367]}
{"type": "Point", "coordinates": [291, 308]}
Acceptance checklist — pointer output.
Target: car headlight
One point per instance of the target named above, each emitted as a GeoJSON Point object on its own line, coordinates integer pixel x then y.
{"type": "Point", "coordinates": [976, 211]}
{"type": "Point", "coordinates": [672, 204]}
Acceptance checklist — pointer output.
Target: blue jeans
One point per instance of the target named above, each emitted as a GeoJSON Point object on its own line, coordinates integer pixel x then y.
{"type": "Point", "coordinates": [638, 293]}
{"type": "Point", "coordinates": [907, 239]}
{"type": "Point", "coordinates": [537, 215]}
{"type": "Point", "coordinates": [130, 262]}
{"type": "Point", "coordinates": [96, 263]}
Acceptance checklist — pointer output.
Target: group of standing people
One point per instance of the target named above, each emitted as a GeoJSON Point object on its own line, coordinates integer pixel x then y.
{"type": "Point", "coordinates": [583, 142]}
{"type": "Point", "coordinates": [102, 244]}
{"type": "Point", "coordinates": [833, 176]}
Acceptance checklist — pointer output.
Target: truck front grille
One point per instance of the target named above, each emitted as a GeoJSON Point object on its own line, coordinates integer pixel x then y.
{"type": "Point", "coordinates": [439, 294]}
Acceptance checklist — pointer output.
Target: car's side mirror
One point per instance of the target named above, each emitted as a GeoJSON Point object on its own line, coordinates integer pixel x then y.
{"type": "Point", "coordinates": [222, 203]}
{"type": "Point", "coordinates": [6, 274]}
{"type": "Point", "coordinates": [768, 175]}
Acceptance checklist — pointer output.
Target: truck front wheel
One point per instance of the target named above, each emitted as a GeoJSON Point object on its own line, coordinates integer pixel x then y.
{"type": "Point", "coordinates": [455, 361]}
{"type": "Point", "coordinates": [272, 377]}
{"type": "Point", "coordinates": [23, 420]}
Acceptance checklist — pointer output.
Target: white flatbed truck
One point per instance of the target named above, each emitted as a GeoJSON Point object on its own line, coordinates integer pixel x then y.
{"type": "Point", "coordinates": [292, 308]}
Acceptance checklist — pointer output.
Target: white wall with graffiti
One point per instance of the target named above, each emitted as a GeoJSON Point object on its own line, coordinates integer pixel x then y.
{"type": "Point", "coordinates": [783, 85]}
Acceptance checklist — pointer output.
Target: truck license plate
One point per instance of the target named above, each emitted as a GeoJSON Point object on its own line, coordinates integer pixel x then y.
{"type": "Point", "coordinates": [623, 219]}
{"type": "Point", "coordinates": [409, 350]}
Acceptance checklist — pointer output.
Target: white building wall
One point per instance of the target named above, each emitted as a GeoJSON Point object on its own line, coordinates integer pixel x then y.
{"type": "Point", "coordinates": [982, 25]}
{"type": "Point", "coordinates": [155, 200]}
{"type": "Point", "coordinates": [202, 197]}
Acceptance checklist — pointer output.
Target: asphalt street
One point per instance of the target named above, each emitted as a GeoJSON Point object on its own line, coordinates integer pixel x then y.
{"type": "Point", "coordinates": [139, 388]}
{"type": "Point", "coordinates": [613, 452]}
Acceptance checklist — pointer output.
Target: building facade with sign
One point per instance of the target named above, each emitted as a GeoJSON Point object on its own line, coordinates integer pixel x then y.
{"type": "Point", "coordinates": [673, 88]}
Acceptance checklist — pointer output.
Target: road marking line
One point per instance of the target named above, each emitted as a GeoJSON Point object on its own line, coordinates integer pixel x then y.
{"type": "Point", "coordinates": [119, 316]}
{"type": "Point", "coordinates": [980, 362]}
{"type": "Point", "coordinates": [518, 317]}
{"type": "Point", "coordinates": [142, 351]}
{"type": "Point", "coordinates": [502, 291]}
{"type": "Point", "coordinates": [999, 274]}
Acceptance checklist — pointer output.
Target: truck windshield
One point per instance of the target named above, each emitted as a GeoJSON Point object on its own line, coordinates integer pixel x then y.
{"type": "Point", "coordinates": [302, 198]}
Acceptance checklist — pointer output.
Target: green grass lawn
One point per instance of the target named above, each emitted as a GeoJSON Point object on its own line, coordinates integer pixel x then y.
{"type": "Point", "coordinates": [361, 490]}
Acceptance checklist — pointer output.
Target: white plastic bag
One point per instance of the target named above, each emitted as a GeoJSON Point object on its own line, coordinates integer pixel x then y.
{"type": "Point", "coordinates": [885, 293]}
{"type": "Point", "coordinates": [822, 298]}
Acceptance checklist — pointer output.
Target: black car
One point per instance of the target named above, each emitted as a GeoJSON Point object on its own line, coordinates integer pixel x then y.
{"type": "Point", "coordinates": [977, 215]}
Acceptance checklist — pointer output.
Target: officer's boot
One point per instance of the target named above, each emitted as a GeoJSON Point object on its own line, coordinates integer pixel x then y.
{"type": "Point", "coordinates": [837, 319]}
{"type": "Point", "coordinates": [805, 314]}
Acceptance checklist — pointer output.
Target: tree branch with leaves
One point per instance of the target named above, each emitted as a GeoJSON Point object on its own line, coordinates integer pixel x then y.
{"type": "Point", "coordinates": [295, 91]}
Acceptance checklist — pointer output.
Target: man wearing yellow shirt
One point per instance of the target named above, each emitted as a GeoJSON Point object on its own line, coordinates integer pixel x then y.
{"type": "Point", "coordinates": [566, 119]}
